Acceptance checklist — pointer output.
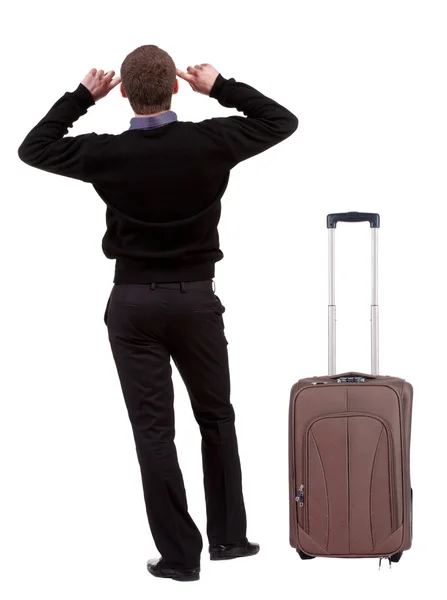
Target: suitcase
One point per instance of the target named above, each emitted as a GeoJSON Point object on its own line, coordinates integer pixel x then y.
{"type": "Point", "coordinates": [349, 448]}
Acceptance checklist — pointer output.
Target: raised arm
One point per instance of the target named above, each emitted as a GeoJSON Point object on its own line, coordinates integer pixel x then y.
{"type": "Point", "coordinates": [266, 123]}
{"type": "Point", "coordinates": [45, 146]}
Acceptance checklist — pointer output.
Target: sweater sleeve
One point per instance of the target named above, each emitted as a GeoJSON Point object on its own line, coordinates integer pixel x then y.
{"type": "Point", "coordinates": [45, 146]}
{"type": "Point", "coordinates": [266, 123]}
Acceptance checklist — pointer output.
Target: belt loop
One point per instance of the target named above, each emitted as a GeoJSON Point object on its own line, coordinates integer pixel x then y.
{"type": "Point", "coordinates": [214, 286]}
{"type": "Point", "coordinates": [153, 286]}
{"type": "Point", "coordinates": [182, 287]}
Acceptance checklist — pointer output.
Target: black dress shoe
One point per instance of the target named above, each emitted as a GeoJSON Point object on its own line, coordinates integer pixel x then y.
{"type": "Point", "coordinates": [228, 551]}
{"type": "Point", "coordinates": [158, 568]}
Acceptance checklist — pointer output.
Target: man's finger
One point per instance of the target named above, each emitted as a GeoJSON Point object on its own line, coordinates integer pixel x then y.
{"type": "Point", "coordinates": [191, 70]}
{"type": "Point", "coordinates": [184, 75]}
{"type": "Point", "coordinates": [111, 74]}
{"type": "Point", "coordinates": [115, 82]}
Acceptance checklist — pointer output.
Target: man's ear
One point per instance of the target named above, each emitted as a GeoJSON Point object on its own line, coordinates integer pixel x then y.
{"type": "Point", "coordinates": [175, 87]}
{"type": "Point", "coordinates": [123, 93]}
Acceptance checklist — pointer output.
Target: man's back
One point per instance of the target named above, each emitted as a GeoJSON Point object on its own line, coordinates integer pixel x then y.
{"type": "Point", "coordinates": [163, 185]}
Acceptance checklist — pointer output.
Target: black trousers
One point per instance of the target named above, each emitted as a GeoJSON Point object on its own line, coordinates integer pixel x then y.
{"type": "Point", "coordinates": [148, 324]}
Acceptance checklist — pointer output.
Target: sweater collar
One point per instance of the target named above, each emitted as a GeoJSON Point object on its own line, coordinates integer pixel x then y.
{"type": "Point", "coordinates": [153, 122]}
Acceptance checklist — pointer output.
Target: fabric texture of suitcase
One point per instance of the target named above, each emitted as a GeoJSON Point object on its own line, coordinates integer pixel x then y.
{"type": "Point", "coordinates": [350, 490]}
{"type": "Point", "coordinates": [349, 455]}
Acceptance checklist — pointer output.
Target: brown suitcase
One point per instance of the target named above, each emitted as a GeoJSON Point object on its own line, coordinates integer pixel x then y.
{"type": "Point", "coordinates": [349, 449]}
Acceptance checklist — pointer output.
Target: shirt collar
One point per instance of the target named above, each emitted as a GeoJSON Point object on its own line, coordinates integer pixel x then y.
{"type": "Point", "coordinates": [153, 122]}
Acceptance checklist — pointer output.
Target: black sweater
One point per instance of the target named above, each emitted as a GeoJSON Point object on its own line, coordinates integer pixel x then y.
{"type": "Point", "coordinates": [162, 186]}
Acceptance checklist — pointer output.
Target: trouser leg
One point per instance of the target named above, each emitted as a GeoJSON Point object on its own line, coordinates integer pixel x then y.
{"type": "Point", "coordinates": [199, 350]}
{"type": "Point", "coordinates": [144, 370]}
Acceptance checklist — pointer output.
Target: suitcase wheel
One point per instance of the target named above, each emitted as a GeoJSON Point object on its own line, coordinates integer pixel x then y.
{"type": "Point", "coordinates": [304, 556]}
{"type": "Point", "coordinates": [396, 557]}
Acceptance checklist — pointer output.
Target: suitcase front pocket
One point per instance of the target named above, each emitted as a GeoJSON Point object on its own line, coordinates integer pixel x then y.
{"type": "Point", "coordinates": [349, 504]}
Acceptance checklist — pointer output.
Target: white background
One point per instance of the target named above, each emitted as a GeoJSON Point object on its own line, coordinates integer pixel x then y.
{"type": "Point", "coordinates": [367, 81]}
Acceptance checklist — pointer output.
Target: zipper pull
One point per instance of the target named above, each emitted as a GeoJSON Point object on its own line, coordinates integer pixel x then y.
{"type": "Point", "coordinates": [300, 497]}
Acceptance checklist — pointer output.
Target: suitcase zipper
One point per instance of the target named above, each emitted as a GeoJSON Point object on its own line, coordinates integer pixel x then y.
{"type": "Point", "coordinates": [305, 476]}
{"type": "Point", "coordinates": [300, 497]}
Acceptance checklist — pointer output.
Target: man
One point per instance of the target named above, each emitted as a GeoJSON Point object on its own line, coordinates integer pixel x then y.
{"type": "Point", "coordinates": [162, 181]}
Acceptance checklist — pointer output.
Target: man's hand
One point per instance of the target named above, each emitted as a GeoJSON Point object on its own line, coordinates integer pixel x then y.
{"type": "Point", "coordinates": [99, 83]}
{"type": "Point", "coordinates": [201, 77]}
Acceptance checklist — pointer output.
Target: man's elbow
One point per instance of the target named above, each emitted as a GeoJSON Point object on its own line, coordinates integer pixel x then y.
{"type": "Point", "coordinates": [286, 125]}
{"type": "Point", "coordinates": [24, 154]}
{"type": "Point", "coordinates": [291, 124]}
{"type": "Point", "coordinates": [30, 154]}
{"type": "Point", "coordinates": [295, 123]}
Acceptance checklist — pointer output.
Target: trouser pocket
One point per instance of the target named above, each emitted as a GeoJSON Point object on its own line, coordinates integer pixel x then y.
{"type": "Point", "coordinates": [106, 312]}
{"type": "Point", "coordinates": [210, 304]}
{"type": "Point", "coordinates": [220, 307]}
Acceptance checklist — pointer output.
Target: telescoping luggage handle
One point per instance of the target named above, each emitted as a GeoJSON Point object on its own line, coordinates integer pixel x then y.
{"type": "Point", "coordinates": [374, 221]}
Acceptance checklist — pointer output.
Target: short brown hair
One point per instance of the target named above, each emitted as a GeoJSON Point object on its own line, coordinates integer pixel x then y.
{"type": "Point", "coordinates": [148, 77]}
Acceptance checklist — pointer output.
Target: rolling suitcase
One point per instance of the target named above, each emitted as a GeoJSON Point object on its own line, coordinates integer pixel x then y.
{"type": "Point", "coordinates": [349, 448]}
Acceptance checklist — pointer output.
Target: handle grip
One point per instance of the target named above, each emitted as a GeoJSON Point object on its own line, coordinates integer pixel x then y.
{"type": "Point", "coordinates": [353, 217]}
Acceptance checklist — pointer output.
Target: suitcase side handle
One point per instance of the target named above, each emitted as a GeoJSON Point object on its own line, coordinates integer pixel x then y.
{"type": "Point", "coordinates": [353, 217]}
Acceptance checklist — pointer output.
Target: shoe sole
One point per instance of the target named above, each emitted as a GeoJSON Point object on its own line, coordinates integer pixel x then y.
{"type": "Point", "coordinates": [185, 578]}
{"type": "Point", "coordinates": [226, 556]}
{"type": "Point", "coordinates": [177, 577]}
